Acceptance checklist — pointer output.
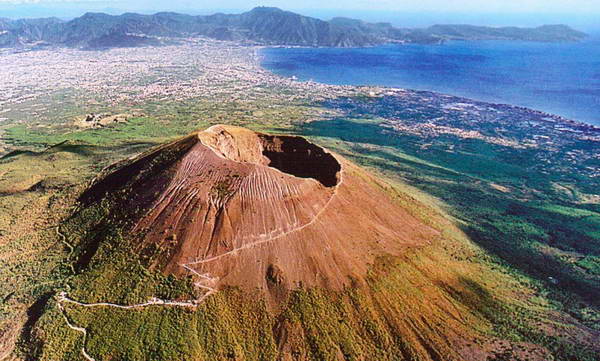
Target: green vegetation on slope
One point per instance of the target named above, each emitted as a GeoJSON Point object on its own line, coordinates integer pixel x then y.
{"type": "Point", "coordinates": [532, 232]}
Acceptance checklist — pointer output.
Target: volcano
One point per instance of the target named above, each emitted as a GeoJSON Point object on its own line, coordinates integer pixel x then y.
{"type": "Point", "coordinates": [230, 244]}
{"type": "Point", "coordinates": [234, 207]}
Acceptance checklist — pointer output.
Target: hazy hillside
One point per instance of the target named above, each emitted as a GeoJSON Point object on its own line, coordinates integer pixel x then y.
{"type": "Point", "coordinates": [263, 25]}
{"type": "Point", "coordinates": [546, 33]}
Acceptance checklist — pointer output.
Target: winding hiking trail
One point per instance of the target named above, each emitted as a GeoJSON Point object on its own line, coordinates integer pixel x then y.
{"type": "Point", "coordinates": [258, 243]}
{"type": "Point", "coordinates": [63, 240]}
{"type": "Point", "coordinates": [203, 283]}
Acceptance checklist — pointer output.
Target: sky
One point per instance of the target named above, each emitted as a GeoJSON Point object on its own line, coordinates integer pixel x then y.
{"type": "Point", "coordinates": [400, 12]}
{"type": "Point", "coordinates": [498, 6]}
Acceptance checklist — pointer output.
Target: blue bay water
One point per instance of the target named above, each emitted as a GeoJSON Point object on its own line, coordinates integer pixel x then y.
{"type": "Point", "coordinates": [563, 78]}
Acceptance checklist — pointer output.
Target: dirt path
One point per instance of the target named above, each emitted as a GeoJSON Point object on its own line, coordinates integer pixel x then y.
{"type": "Point", "coordinates": [78, 329]}
{"type": "Point", "coordinates": [63, 298]}
{"type": "Point", "coordinates": [63, 240]}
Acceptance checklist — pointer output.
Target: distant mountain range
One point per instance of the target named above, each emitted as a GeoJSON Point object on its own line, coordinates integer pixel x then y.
{"type": "Point", "coordinates": [262, 25]}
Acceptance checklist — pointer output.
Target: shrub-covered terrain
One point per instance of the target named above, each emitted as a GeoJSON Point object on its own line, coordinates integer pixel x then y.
{"type": "Point", "coordinates": [518, 260]}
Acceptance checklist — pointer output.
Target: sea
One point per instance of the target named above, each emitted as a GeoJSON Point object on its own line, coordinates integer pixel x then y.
{"type": "Point", "coordinates": [558, 78]}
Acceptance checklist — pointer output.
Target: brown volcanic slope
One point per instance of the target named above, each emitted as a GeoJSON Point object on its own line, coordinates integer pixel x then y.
{"type": "Point", "coordinates": [240, 208]}
{"type": "Point", "coordinates": [304, 255]}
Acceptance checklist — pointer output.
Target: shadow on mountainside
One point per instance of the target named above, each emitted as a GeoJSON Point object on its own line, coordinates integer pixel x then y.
{"type": "Point", "coordinates": [514, 226]}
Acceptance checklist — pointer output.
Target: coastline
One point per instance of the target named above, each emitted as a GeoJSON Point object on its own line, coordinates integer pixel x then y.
{"type": "Point", "coordinates": [487, 74]}
{"type": "Point", "coordinates": [383, 89]}
{"type": "Point", "coordinates": [430, 115]}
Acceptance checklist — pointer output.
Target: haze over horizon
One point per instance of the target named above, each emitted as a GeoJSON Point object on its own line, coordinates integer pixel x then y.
{"type": "Point", "coordinates": [412, 13]}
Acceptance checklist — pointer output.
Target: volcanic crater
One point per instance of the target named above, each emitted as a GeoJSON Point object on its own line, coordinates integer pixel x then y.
{"type": "Point", "coordinates": [234, 207]}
